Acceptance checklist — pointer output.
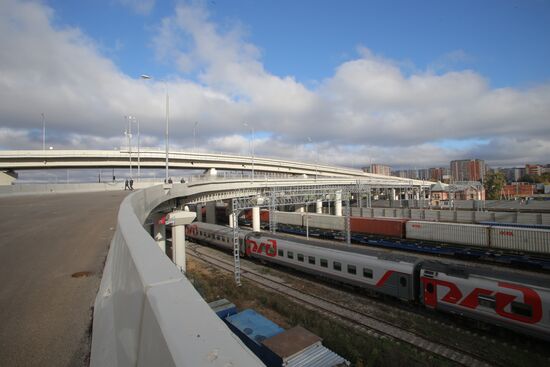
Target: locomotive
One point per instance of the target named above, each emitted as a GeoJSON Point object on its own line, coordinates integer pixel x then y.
{"type": "Point", "coordinates": [510, 299]}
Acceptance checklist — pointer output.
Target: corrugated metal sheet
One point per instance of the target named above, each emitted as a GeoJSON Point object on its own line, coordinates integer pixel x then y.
{"type": "Point", "coordinates": [379, 226]}
{"type": "Point", "coordinates": [465, 234]}
{"type": "Point", "coordinates": [256, 327]}
{"type": "Point", "coordinates": [505, 217]}
{"type": "Point", "coordinates": [465, 216]}
{"type": "Point", "coordinates": [432, 215]}
{"type": "Point", "coordinates": [289, 218]}
{"type": "Point", "coordinates": [528, 218]}
{"type": "Point", "coordinates": [324, 221]}
{"type": "Point", "coordinates": [223, 308]}
{"type": "Point", "coordinates": [447, 215]}
{"type": "Point", "coordinates": [316, 356]}
{"type": "Point", "coordinates": [521, 239]}
{"type": "Point", "coordinates": [356, 212]}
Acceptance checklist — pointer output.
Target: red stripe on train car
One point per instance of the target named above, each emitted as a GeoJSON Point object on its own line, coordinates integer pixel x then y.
{"type": "Point", "coordinates": [384, 278]}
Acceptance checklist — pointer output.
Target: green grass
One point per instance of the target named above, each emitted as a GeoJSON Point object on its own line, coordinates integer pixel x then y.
{"type": "Point", "coordinates": [358, 347]}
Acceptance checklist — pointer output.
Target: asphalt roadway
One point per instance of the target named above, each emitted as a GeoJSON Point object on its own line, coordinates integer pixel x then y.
{"type": "Point", "coordinates": [45, 306]}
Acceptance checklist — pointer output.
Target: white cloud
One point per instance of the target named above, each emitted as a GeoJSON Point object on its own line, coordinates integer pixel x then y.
{"type": "Point", "coordinates": [372, 108]}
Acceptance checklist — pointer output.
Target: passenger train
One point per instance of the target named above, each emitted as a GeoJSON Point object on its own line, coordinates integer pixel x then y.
{"type": "Point", "coordinates": [511, 299]}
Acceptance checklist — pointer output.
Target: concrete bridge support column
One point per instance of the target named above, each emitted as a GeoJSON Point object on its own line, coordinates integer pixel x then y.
{"type": "Point", "coordinates": [178, 220]}
{"type": "Point", "coordinates": [256, 219]}
{"type": "Point", "coordinates": [199, 212]}
{"type": "Point", "coordinates": [393, 196]}
{"type": "Point", "coordinates": [211, 212]}
{"type": "Point", "coordinates": [159, 233]}
{"type": "Point", "coordinates": [338, 203]}
{"type": "Point", "coordinates": [319, 207]}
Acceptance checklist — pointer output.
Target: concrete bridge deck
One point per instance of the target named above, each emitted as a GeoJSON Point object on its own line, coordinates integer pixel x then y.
{"type": "Point", "coordinates": [45, 313]}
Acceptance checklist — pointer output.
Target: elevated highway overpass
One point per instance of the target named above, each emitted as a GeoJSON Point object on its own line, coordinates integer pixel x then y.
{"type": "Point", "coordinates": [15, 160]}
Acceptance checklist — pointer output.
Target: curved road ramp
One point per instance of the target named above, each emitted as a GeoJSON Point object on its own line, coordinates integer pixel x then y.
{"type": "Point", "coordinates": [146, 312]}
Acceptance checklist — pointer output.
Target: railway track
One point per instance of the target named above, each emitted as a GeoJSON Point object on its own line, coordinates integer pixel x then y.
{"type": "Point", "coordinates": [358, 320]}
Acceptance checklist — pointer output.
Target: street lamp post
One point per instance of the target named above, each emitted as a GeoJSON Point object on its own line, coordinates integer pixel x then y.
{"type": "Point", "coordinates": [252, 129]}
{"type": "Point", "coordinates": [194, 137]}
{"type": "Point", "coordinates": [43, 132]}
{"type": "Point", "coordinates": [136, 121]}
{"type": "Point", "coordinates": [316, 159]}
{"type": "Point", "coordinates": [167, 119]}
{"type": "Point", "coordinates": [128, 134]}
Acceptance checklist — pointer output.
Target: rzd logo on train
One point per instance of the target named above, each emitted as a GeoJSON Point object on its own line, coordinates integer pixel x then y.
{"type": "Point", "coordinates": [269, 248]}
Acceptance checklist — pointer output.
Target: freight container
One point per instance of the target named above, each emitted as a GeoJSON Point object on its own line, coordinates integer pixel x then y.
{"type": "Point", "coordinates": [503, 217]}
{"type": "Point", "coordinates": [447, 216]}
{"type": "Point", "coordinates": [464, 234]}
{"type": "Point", "coordinates": [416, 214]}
{"type": "Point", "coordinates": [521, 239]}
{"type": "Point", "coordinates": [356, 212]}
{"type": "Point", "coordinates": [379, 226]}
{"type": "Point", "coordinates": [432, 215]}
{"type": "Point", "coordinates": [465, 216]}
{"type": "Point", "coordinates": [527, 218]}
{"type": "Point", "coordinates": [324, 221]}
{"type": "Point", "coordinates": [378, 212]}
{"type": "Point", "coordinates": [291, 218]}
{"type": "Point", "coordinates": [367, 212]}
{"type": "Point", "coordinates": [484, 217]}
{"type": "Point", "coordinates": [264, 215]}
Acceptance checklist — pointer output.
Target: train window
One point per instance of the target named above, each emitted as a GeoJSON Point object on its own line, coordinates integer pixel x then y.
{"type": "Point", "coordinates": [290, 254]}
{"type": "Point", "coordinates": [324, 263]}
{"type": "Point", "coordinates": [301, 257]}
{"type": "Point", "coordinates": [522, 309]}
{"type": "Point", "coordinates": [281, 253]}
{"type": "Point", "coordinates": [367, 273]}
{"type": "Point", "coordinates": [430, 288]}
{"type": "Point", "coordinates": [311, 259]}
{"type": "Point", "coordinates": [352, 269]}
{"type": "Point", "coordinates": [403, 281]}
{"type": "Point", "coordinates": [337, 266]}
{"type": "Point", "coordinates": [486, 301]}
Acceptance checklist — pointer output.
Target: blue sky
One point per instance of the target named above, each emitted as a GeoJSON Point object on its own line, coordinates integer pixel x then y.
{"type": "Point", "coordinates": [407, 83]}
{"type": "Point", "coordinates": [501, 39]}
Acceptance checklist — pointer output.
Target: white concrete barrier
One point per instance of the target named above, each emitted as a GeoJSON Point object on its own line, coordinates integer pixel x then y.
{"type": "Point", "coordinates": [146, 312]}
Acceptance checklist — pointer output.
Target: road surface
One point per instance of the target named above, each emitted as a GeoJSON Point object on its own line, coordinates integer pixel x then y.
{"type": "Point", "coordinates": [52, 251]}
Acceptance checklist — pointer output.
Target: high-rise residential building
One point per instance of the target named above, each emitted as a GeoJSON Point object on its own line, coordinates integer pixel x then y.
{"type": "Point", "coordinates": [438, 174]}
{"type": "Point", "coordinates": [533, 169]}
{"type": "Point", "coordinates": [380, 169]}
{"type": "Point", "coordinates": [467, 170]}
{"type": "Point", "coordinates": [424, 174]}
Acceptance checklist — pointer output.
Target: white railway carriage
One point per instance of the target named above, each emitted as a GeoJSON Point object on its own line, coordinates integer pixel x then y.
{"type": "Point", "coordinates": [509, 299]}
{"type": "Point", "coordinates": [215, 235]}
{"type": "Point", "coordinates": [388, 274]}
{"type": "Point", "coordinates": [512, 299]}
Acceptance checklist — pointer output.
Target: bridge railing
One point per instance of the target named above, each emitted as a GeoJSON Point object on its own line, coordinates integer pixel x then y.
{"type": "Point", "coordinates": [146, 312]}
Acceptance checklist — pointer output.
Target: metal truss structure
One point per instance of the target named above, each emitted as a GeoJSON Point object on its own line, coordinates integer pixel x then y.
{"type": "Point", "coordinates": [283, 194]}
